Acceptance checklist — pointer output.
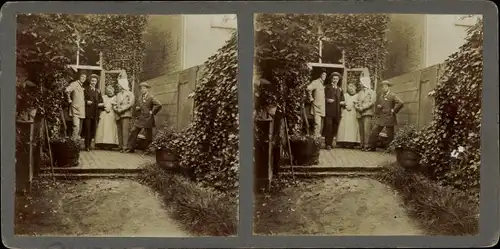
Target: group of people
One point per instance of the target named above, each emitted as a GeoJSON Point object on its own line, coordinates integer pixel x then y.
{"type": "Point", "coordinates": [107, 118]}
{"type": "Point", "coordinates": [352, 119]}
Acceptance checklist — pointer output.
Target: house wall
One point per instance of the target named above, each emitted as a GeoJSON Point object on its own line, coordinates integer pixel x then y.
{"type": "Point", "coordinates": [204, 35]}
{"type": "Point", "coordinates": [418, 41]}
{"type": "Point", "coordinates": [445, 35]}
{"type": "Point", "coordinates": [406, 44]}
{"type": "Point", "coordinates": [163, 38]}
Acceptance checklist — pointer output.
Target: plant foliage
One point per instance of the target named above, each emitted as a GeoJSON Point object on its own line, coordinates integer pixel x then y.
{"type": "Point", "coordinates": [167, 138]}
{"type": "Point", "coordinates": [452, 142]}
{"type": "Point", "coordinates": [211, 142]}
{"type": "Point", "coordinates": [409, 138]}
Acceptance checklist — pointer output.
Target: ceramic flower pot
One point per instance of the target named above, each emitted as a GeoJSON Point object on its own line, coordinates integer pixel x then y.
{"type": "Point", "coordinates": [68, 153]}
{"type": "Point", "coordinates": [408, 159]}
{"type": "Point", "coordinates": [166, 159]}
{"type": "Point", "coordinates": [305, 151]}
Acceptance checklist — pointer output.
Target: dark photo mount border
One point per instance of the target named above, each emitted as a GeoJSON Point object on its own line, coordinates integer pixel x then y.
{"type": "Point", "coordinates": [245, 10]}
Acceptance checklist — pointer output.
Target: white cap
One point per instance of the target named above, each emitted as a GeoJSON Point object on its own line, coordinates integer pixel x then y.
{"type": "Point", "coordinates": [124, 84]}
{"type": "Point", "coordinates": [366, 82]}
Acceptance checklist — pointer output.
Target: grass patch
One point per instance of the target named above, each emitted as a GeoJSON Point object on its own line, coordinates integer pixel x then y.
{"type": "Point", "coordinates": [35, 213]}
{"type": "Point", "coordinates": [440, 210]}
{"type": "Point", "coordinates": [274, 210]}
{"type": "Point", "coordinates": [202, 211]}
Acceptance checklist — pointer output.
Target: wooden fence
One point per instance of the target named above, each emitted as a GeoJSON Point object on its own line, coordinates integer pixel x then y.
{"type": "Point", "coordinates": [413, 88]}
{"type": "Point", "coordinates": [173, 91]}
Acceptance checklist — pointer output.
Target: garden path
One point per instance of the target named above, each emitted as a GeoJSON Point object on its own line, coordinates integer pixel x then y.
{"type": "Point", "coordinates": [97, 207]}
{"type": "Point", "coordinates": [334, 206]}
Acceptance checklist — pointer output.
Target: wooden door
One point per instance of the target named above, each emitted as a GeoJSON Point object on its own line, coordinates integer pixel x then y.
{"type": "Point", "coordinates": [428, 80]}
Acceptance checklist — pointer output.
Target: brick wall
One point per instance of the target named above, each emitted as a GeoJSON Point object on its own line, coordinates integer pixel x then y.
{"type": "Point", "coordinates": [407, 43]}
{"type": "Point", "coordinates": [163, 39]}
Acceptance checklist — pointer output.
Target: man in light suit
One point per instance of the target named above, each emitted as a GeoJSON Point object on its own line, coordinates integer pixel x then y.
{"type": "Point", "coordinates": [364, 107]}
{"type": "Point", "coordinates": [316, 92]}
{"type": "Point", "coordinates": [146, 108]}
{"type": "Point", "coordinates": [76, 99]}
{"type": "Point", "coordinates": [386, 108]}
{"type": "Point", "coordinates": [124, 107]}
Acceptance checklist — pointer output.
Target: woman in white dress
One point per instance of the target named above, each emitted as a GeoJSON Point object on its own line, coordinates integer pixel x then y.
{"type": "Point", "coordinates": [107, 131]}
{"type": "Point", "coordinates": [348, 134]}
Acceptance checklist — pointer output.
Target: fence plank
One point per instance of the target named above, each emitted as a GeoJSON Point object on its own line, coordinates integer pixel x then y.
{"type": "Point", "coordinates": [413, 89]}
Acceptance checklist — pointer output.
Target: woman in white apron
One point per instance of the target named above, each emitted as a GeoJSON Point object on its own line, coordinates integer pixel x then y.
{"type": "Point", "coordinates": [107, 130]}
{"type": "Point", "coordinates": [348, 134]}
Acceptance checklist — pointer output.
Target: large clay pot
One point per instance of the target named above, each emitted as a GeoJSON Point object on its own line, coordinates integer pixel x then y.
{"type": "Point", "coordinates": [65, 154]}
{"type": "Point", "coordinates": [408, 159]}
{"type": "Point", "coordinates": [166, 159]}
{"type": "Point", "coordinates": [305, 152]}
{"type": "Point", "coordinates": [169, 161]}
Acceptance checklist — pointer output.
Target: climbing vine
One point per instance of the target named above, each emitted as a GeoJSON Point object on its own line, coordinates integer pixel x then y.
{"type": "Point", "coordinates": [285, 43]}
{"type": "Point", "coordinates": [120, 39]}
{"type": "Point", "coordinates": [455, 156]}
{"type": "Point", "coordinates": [211, 142]}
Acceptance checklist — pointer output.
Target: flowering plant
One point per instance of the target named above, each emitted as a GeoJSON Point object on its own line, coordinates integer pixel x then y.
{"type": "Point", "coordinates": [301, 137]}
{"type": "Point", "coordinates": [166, 139]}
{"type": "Point", "coordinates": [407, 138]}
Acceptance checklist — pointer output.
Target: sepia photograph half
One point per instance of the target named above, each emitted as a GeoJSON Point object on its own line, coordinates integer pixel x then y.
{"type": "Point", "coordinates": [127, 125]}
{"type": "Point", "coordinates": [367, 124]}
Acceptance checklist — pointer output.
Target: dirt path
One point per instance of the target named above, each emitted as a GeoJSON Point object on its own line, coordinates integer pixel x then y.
{"type": "Point", "coordinates": [108, 208]}
{"type": "Point", "coordinates": [334, 206]}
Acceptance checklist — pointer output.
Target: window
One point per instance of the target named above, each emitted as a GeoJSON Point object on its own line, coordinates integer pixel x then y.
{"type": "Point", "coordinates": [466, 20]}
{"type": "Point", "coordinates": [330, 53]}
{"type": "Point", "coordinates": [224, 21]}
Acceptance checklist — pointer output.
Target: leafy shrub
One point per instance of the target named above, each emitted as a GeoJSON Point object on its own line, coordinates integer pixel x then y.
{"type": "Point", "coordinates": [211, 142]}
{"type": "Point", "coordinates": [166, 138]}
{"type": "Point", "coordinates": [409, 138]}
{"type": "Point", "coordinates": [200, 210]}
{"type": "Point", "coordinates": [440, 210]}
{"type": "Point", "coordinates": [457, 117]}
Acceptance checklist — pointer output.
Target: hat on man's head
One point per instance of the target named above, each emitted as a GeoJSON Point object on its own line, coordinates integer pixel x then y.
{"type": "Point", "coordinates": [144, 84]}
{"type": "Point", "coordinates": [386, 82]}
{"type": "Point", "coordinates": [94, 76]}
{"type": "Point", "coordinates": [337, 74]}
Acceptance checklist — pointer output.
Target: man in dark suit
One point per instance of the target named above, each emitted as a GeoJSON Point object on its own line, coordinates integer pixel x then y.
{"type": "Point", "coordinates": [334, 101]}
{"type": "Point", "coordinates": [146, 108]}
{"type": "Point", "coordinates": [387, 106]}
{"type": "Point", "coordinates": [93, 102]}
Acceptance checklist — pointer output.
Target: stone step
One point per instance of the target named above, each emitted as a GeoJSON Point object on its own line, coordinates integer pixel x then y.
{"type": "Point", "coordinates": [320, 169]}
{"type": "Point", "coordinates": [328, 174]}
{"type": "Point", "coordinates": [78, 170]}
{"type": "Point", "coordinates": [88, 176]}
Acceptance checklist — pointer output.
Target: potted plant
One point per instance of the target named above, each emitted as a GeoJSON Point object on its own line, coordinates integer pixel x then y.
{"type": "Point", "coordinates": [305, 149]}
{"type": "Point", "coordinates": [408, 147]}
{"type": "Point", "coordinates": [68, 151]}
{"type": "Point", "coordinates": [166, 146]}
